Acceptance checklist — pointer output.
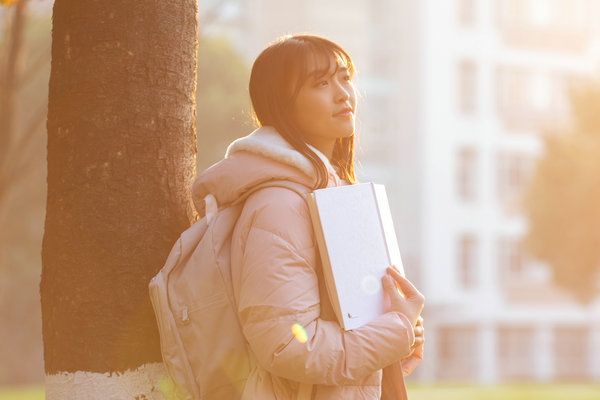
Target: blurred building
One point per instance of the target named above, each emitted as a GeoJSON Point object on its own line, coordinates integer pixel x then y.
{"type": "Point", "coordinates": [455, 98]}
{"type": "Point", "coordinates": [494, 76]}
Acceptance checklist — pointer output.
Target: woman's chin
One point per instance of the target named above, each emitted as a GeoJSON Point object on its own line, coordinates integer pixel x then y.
{"type": "Point", "coordinates": [347, 132]}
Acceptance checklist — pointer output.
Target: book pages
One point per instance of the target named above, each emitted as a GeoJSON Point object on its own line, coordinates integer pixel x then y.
{"type": "Point", "coordinates": [387, 224]}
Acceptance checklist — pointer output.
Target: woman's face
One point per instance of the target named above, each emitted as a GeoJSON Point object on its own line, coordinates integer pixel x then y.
{"type": "Point", "coordinates": [325, 107]}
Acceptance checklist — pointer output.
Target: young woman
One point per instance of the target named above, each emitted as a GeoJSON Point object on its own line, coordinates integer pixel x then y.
{"type": "Point", "coordinates": [304, 103]}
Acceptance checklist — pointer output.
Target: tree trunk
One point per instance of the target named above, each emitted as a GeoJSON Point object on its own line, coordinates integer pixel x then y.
{"type": "Point", "coordinates": [121, 159]}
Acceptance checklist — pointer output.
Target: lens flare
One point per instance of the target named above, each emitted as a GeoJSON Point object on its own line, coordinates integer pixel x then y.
{"type": "Point", "coordinates": [370, 285]}
{"type": "Point", "coordinates": [299, 333]}
{"type": "Point", "coordinates": [167, 387]}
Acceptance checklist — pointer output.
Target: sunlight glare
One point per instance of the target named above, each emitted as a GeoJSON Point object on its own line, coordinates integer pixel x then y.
{"type": "Point", "coordinates": [370, 285]}
{"type": "Point", "coordinates": [299, 333]}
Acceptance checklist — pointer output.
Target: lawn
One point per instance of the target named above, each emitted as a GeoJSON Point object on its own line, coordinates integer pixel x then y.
{"type": "Point", "coordinates": [26, 393]}
{"type": "Point", "coordinates": [525, 391]}
{"type": "Point", "coordinates": [531, 391]}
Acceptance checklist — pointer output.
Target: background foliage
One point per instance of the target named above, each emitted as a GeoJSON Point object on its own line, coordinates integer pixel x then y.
{"type": "Point", "coordinates": [563, 197]}
{"type": "Point", "coordinates": [22, 199]}
{"type": "Point", "coordinates": [222, 100]}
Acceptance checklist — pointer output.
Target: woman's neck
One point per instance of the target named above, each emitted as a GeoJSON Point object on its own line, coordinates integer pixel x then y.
{"type": "Point", "coordinates": [324, 146]}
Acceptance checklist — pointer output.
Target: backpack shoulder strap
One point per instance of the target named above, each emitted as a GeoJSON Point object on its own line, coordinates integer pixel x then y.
{"type": "Point", "coordinates": [300, 189]}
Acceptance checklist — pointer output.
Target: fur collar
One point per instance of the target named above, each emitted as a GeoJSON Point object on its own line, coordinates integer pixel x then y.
{"type": "Point", "coordinates": [266, 141]}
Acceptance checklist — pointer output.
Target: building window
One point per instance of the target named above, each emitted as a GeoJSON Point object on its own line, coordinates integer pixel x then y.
{"type": "Point", "coordinates": [512, 12]}
{"type": "Point", "coordinates": [466, 178]}
{"type": "Point", "coordinates": [534, 100]}
{"type": "Point", "coordinates": [512, 89]}
{"type": "Point", "coordinates": [559, 25]}
{"type": "Point", "coordinates": [511, 260]}
{"type": "Point", "coordinates": [380, 145]}
{"type": "Point", "coordinates": [457, 353]}
{"type": "Point", "coordinates": [572, 350]}
{"type": "Point", "coordinates": [515, 353]}
{"type": "Point", "coordinates": [466, 12]}
{"type": "Point", "coordinates": [467, 260]}
{"type": "Point", "coordinates": [514, 171]}
{"type": "Point", "coordinates": [467, 87]}
{"type": "Point", "coordinates": [540, 12]}
{"type": "Point", "coordinates": [550, 14]}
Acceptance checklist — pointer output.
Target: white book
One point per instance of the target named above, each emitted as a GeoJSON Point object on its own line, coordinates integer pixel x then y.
{"type": "Point", "coordinates": [357, 242]}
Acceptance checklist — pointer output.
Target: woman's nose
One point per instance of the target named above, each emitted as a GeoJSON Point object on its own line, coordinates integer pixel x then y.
{"type": "Point", "coordinates": [342, 94]}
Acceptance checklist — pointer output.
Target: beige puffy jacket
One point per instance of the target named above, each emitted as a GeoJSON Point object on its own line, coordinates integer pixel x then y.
{"type": "Point", "coordinates": [277, 280]}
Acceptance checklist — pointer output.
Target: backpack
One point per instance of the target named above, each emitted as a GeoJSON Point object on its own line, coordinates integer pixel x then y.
{"type": "Point", "coordinates": [201, 340]}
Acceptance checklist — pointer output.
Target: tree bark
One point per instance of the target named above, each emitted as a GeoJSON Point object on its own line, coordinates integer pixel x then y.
{"type": "Point", "coordinates": [121, 160]}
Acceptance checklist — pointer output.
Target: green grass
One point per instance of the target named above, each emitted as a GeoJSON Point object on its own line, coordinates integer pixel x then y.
{"type": "Point", "coordinates": [525, 391]}
{"type": "Point", "coordinates": [22, 393]}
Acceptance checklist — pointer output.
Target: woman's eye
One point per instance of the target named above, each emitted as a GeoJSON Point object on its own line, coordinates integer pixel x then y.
{"type": "Point", "coordinates": [347, 77]}
{"type": "Point", "coordinates": [321, 83]}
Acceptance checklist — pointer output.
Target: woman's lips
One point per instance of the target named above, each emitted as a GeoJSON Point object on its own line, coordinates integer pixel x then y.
{"type": "Point", "coordinates": [344, 114]}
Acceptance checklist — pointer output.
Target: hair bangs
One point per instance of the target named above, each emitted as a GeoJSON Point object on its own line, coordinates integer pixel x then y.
{"type": "Point", "coordinates": [313, 58]}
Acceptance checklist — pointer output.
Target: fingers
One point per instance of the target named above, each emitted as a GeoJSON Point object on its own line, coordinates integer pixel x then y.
{"type": "Point", "coordinates": [387, 282]}
{"type": "Point", "coordinates": [397, 288]}
{"type": "Point", "coordinates": [395, 273]}
{"type": "Point", "coordinates": [419, 340]}
{"type": "Point", "coordinates": [389, 288]}
{"type": "Point", "coordinates": [405, 286]}
{"type": "Point", "coordinates": [419, 333]}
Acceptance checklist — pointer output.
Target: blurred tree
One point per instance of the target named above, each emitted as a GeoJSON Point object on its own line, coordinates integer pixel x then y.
{"type": "Point", "coordinates": [223, 104]}
{"type": "Point", "coordinates": [24, 71]}
{"type": "Point", "coordinates": [7, 3]}
{"type": "Point", "coordinates": [562, 200]}
{"type": "Point", "coordinates": [121, 157]}
{"type": "Point", "coordinates": [9, 74]}
{"type": "Point", "coordinates": [19, 124]}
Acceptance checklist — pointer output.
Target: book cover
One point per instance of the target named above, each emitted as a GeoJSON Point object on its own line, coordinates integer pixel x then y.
{"type": "Point", "coordinates": [357, 242]}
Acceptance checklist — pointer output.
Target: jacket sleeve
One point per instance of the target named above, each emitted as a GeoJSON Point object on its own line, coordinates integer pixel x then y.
{"type": "Point", "coordinates": [279, 288]}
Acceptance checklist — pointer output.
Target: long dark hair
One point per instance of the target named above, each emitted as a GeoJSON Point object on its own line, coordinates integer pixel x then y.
{"type": "Point", "coordinates": [277, 75]}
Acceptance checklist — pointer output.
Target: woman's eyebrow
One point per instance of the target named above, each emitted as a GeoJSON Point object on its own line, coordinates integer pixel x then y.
{"type": "Point", "coordinates": [321, 71]}
{"type": "Point", "coordinates": [317, 74]}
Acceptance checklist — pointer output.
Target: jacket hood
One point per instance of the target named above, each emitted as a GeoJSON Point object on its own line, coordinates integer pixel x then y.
{"type": "Point", "coordinates": [262, 156]}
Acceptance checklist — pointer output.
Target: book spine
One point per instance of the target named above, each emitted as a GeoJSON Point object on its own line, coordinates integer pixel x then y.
{"type": "Point", "coordinates": [326, 264]}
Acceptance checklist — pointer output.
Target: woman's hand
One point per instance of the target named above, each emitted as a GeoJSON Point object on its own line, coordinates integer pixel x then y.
{"type": "Point", "coordinates": [404, 297]}
{"type": "Point", "coordinates": [419, 333]}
